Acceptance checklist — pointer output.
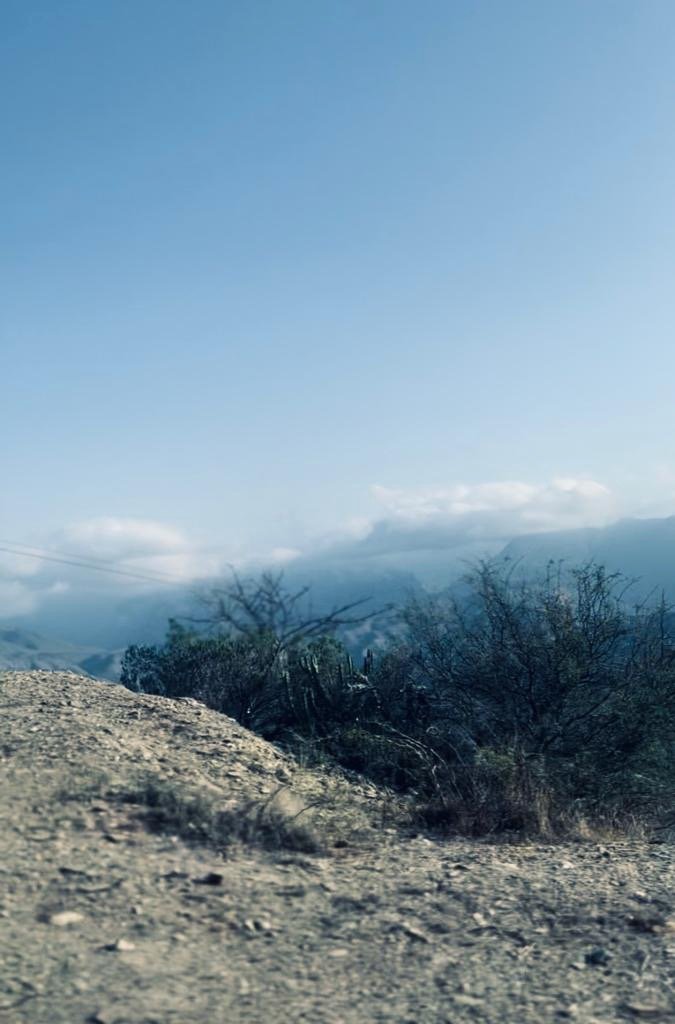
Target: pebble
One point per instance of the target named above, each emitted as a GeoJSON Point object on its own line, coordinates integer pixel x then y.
{"type": "Point", "coordinates": [121, 946]}
{"type": "Point", "coordinates": [65, 918]}
{"type": "Point", "coordinates": [646, 1011]}
{"type": "Point", "coordinates": [598, 957]}
{"type": "Point", "coordinates": [464, 999]}
{"type": "Point", "coordinates": [210, 878]}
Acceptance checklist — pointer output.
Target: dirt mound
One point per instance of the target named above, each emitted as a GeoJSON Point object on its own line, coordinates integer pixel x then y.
{"type": "Point", "coordinates": [150, 871]}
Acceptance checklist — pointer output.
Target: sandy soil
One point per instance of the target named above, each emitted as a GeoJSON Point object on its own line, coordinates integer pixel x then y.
{"type": "Point", "coordinates": [102, 920]}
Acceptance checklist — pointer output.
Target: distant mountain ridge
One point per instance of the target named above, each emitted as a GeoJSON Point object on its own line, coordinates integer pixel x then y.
{"type": "Point", "coordinates": [640, 549]}
{"type": "Point", "coordinates": [95, 627]}
{"type": "Point", "coordinates": [25, 649]}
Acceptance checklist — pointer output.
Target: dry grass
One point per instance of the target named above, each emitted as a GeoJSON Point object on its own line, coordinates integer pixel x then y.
{"type": "Point", "coordinates": [274, 823]}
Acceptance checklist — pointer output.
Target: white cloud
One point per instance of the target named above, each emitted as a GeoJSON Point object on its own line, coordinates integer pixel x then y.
{"type": "Point", "coordinates": [16, 598]}
{"type": "Point", "coordinates": [282, 556]}
{"type": "Point", "coordinates": [13, 566]}
{"type": "Point", "coordinates": [433, 524]}
{"type": "Point", "coordinates": [120, 538]}
{"type": "Point", "coordinates": [144, 546]}
{"type": "Point", "coordinates": [430, 526]}
{"type": "Point", "coordinates": [501, 508]}
{"type": "Point", "coordinates": [115, 546]}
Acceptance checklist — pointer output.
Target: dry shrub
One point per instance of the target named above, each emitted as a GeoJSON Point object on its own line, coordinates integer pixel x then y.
{"type": "Point", "coordinates": [273, 824]}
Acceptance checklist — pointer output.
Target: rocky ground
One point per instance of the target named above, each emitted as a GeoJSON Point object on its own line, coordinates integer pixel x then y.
{"type": "Point", "coordinates": [104, 920]}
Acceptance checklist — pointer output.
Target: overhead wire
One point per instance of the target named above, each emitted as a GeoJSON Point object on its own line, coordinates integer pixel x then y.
{"type": "Point", "coordinates": [89, 559]}
{"type": "Point", "coordinates": [97, 565]}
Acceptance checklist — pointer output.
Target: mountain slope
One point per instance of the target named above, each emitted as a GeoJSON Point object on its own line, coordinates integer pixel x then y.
{"type": "Point", "coordinates": [25, 649]}
{"type": "Point", "coordinates": [642, 549]}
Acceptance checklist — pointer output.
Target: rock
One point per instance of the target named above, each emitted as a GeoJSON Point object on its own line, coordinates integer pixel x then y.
{"type": "Point", "coordinates": [257, 925]}
{"type": "Point", "coordinates": [646, 1011]}
{"type": "Point", "coordinates": [65, 918]}
{"type": "Point", "coordinates": [120, 946]}
{"type": "Point", "coordinates": [410, 930]}
{"type": "Point", "coordinates": [651, 922]}
{"type": "Point", "coordinates": [210, 878]}
{"type": "Point", "coordinates": [105, 1015]}
{"type": "Point", "coordinates": [464, 999]}
{"type": "Point", "coordinates": [598, 957]}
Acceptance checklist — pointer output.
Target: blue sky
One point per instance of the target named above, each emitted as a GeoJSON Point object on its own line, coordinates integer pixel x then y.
{"type": "Point", "coordinates": [276, 270]}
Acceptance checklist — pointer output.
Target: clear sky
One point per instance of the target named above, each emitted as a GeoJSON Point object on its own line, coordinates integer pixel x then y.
{"type": "Point", "coordinates": [258, 257]}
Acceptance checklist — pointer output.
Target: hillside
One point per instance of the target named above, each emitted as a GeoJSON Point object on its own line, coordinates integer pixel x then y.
{"type": "Point", "coordinates": [109, 916]}
{"type": "Point", "coordinates": [26, 649]}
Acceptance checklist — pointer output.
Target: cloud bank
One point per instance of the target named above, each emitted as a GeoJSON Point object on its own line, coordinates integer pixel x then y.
{"type": "Point", "coordinates": [436, 525]}
{"type": "Point", "coordinates": [471, 516]}
{"type": "Point", "coordinates": [121, 552]}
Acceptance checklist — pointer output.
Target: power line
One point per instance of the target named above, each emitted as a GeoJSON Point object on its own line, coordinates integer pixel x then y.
{"type": "Point", "coordinates": [167, 580]}
{"type": "Point", "coordinates": [31, 551]}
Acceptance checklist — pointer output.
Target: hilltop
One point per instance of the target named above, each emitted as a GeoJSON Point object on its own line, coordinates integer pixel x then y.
{"type": "Point", "coordinates": [122, 903]}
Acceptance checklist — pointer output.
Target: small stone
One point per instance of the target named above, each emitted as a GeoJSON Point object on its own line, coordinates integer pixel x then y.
{"type": "Point", "coordinates": [65, 918]}
{"type": "Point", "coordinates": [104, 1016]}
{"type": "Point", "coordinates": [121, 946]}
{"type": "Point", "coordinates": [464, 999]}
{"type": "Point", "coordinates": [647, 922]}
{"type": "Point", "coordinates": [210, 878]}
{"type": "Point", "coordinates": [257, 925]}
{"type": "Point", "coordinates": [414, 933]}
{"type": "Point", "coordinates": [598, 957]}
{"type": "Point", "coordinates": [293, 890]}
{"type": "Point", "coordinates": [646, 1011]}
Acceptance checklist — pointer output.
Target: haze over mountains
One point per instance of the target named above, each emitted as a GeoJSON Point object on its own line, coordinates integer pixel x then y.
{"type": "Point", "coordinates": [87, 627]}
{"type": "Point", "coordinates": [641, 549]}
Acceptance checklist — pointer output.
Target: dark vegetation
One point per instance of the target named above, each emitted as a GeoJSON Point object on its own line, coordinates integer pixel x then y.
{"type": "Point", "coordinates": [543, 708]}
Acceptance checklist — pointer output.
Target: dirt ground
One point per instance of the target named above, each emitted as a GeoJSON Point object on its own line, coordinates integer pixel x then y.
{"type": "Point", "coordinates": [103, 920]}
